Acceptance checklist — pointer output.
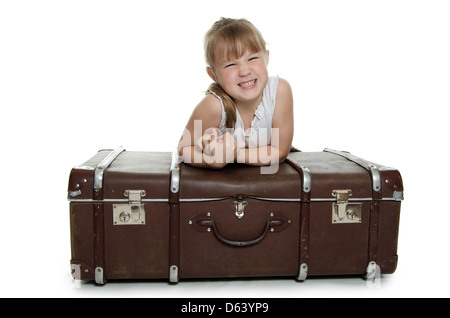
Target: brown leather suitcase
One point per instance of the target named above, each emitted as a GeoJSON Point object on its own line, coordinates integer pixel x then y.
{"type": "Point", "coordinates": [145, 215]}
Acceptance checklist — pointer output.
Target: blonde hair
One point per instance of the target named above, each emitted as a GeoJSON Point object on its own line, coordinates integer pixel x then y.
{"type": "Point", "coordinates": [231, 38]}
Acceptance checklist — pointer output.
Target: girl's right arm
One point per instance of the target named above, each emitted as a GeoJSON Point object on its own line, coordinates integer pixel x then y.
{"type": "Point", "coordinates": [207, 115]}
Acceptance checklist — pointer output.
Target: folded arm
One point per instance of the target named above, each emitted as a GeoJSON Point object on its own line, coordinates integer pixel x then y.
{"type": "Point", "coordinates": [201, 147]}
{"type": "Point", "coordinates": [282, 132]}
{"type": "Point", "coordinates": [198, 134]}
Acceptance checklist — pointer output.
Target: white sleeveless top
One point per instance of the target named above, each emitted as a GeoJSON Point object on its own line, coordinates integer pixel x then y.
{"type": "Point", "coordinates": [261, 126]}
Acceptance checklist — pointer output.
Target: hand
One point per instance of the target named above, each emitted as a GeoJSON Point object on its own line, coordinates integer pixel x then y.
{"type": "Point", "coordinates": [218, 150]}
{"type": "Point", "coordinates": [202, 144]}
{"type": "Point", "coordinates": [210, 139]}
{"type": "Point", "coordinates": [230, 147]}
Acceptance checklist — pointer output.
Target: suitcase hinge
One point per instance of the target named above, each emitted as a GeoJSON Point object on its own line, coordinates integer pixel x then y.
{"type": "Point", "coordinates": [132, 213]}
{"type": "Point", "coordinates": [342, 211]}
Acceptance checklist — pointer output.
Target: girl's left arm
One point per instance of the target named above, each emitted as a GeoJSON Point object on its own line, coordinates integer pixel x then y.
{"type": "Point", "coordinates": [282, 132]}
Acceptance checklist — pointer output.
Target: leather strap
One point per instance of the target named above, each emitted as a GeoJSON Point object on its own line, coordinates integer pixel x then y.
{"type": "Point", "coordinates": [304, 233]}
{"type": "Point", "coordinates": [99, 241]}
{"type": "Point", "coordinates": [373, 231]}
{"type": "Point", "coordinates": [174, 223]}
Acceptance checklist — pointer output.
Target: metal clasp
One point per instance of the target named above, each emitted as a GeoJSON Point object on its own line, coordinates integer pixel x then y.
{"type": "Point", "coordinates": [132, 213]}
{"type": "Point", "coordinates": [344, 212]}
{"type": "Point", "coordinates": [239, 205]}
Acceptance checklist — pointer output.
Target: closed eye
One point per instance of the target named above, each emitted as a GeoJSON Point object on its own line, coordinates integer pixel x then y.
{"type": "Point", "coordinates": [230, 65]}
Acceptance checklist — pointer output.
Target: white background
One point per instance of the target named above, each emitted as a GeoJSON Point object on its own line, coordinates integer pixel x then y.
{"type": "Point", "coordinates": [369, 77]}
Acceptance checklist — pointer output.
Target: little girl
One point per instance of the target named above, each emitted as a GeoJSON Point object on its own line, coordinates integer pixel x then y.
{"type": "Point", "coordinates": [246, 116]}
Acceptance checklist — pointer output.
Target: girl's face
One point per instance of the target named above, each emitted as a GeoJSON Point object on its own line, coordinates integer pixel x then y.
{"type": "Point", "coordinates": [242, 78]}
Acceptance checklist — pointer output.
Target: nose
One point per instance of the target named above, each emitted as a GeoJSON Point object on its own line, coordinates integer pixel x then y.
{"type": "Point", "coordinates": [244, 70]}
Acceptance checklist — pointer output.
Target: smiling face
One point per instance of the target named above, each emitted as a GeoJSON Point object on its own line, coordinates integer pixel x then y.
{"type": "Point", "coordinates": [244, 77]}
{"type": "Point", "coordinates": [235, 52]}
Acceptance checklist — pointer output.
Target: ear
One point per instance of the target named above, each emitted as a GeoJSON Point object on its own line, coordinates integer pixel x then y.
{"type": "Point", "coordinates": [210, 73]}
{"type": "Point", "coordinates": [267, 57]}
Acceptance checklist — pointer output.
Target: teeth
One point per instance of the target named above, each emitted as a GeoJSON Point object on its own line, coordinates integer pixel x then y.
{"type": "Point", "coordinates": [247, 84]}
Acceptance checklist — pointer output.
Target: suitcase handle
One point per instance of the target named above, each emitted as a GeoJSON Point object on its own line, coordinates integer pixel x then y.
{"type": "Point", "coordinates": [269, 225]}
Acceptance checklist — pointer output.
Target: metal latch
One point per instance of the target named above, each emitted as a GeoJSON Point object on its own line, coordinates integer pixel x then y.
{"type": "Point", "coordinates": [344, 212]}
{"type": "Point", "coordinates": [133, 212]}
{"type": "Point", "coordinates": [240, 206]}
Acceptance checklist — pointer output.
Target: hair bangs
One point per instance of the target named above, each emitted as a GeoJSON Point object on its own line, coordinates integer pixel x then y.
{"type": "Point", "coordinates": [231, 41]}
